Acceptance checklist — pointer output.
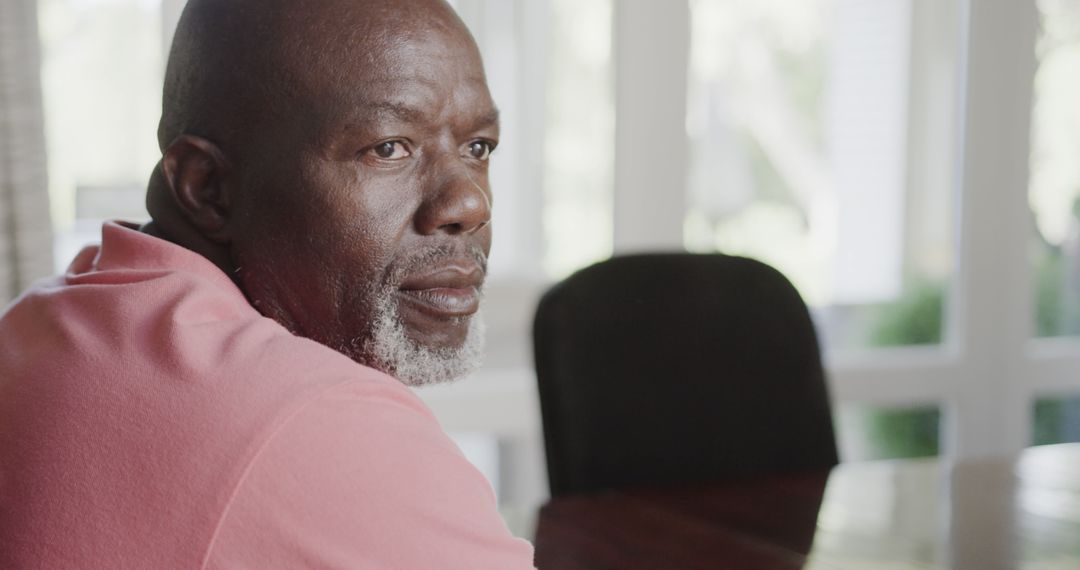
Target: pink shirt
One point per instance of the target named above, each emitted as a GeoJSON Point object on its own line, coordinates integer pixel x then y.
{"type": "Point", "coordinates": [151, 418]}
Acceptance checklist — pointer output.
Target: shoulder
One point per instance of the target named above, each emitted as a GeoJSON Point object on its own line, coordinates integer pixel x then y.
{"type": "Point", "coordinates": [363, 476]}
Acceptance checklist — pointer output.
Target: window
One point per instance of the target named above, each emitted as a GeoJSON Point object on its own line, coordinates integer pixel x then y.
{"type": "Point", "coordinates": [1054, 192]}
{"type": "Point", "coordinates": [102, 66]}
{"type": "Point", "coordinates": [820, 142]}
{"type": "Point", "coordinates": [1054, 197]}
{"type": "Point", "coordinates": [807, 127]}
{"type": "Point", "coordinates": [579, 153]}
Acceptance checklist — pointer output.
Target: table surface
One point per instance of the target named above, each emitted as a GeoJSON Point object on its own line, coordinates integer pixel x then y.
{"type": "Point", "coordinates": [1022, 512]}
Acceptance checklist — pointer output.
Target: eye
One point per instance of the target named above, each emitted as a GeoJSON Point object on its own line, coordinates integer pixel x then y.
{"type": "Point", "coordinates": [391, 150]}
{"type": "Point", "coordinates": [481, 150]}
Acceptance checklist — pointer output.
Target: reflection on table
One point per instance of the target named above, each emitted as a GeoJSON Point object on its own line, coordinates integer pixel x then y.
{"type": "Point", "coordinates": [980, 515]}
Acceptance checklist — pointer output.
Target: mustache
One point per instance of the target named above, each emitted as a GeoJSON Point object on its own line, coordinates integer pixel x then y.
{"type": "Point", "coordinates": [434, 255]}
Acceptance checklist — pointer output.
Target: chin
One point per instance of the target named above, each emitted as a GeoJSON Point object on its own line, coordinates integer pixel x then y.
{"type": "Point", "coordinates": [449, 337]}
{"type": "Point", "coordinates": [418, 358]}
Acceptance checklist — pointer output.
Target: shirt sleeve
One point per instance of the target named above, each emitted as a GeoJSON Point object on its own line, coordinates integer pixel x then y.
{"type": "Point", "coordinates": [364, 477]}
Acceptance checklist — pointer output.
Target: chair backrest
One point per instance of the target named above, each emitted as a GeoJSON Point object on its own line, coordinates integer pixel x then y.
{"type": "Point", "coordinates": [678, 368]}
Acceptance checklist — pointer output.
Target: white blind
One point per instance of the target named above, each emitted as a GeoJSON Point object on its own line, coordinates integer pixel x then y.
{"type": "Point", "coordinates": [867, 136]}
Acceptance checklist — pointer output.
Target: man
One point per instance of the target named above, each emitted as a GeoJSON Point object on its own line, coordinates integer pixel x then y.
{"type": "Point", "coordinates": [204, 391]}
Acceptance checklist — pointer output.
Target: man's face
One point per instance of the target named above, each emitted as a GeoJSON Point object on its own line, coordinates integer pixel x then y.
{"type": "Point", "coordinates": [364, 220]}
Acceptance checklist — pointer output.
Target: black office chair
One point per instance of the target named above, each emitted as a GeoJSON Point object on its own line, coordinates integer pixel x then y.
{"type": "Point", "coordinates": [662, 369]}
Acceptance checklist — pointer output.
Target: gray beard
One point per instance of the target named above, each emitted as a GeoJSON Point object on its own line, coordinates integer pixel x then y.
{"type": "Point", "coordinates": [389, 348]}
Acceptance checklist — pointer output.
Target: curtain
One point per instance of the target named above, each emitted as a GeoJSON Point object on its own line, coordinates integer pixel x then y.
{"type": "Point", "coordinates": [25, 228]}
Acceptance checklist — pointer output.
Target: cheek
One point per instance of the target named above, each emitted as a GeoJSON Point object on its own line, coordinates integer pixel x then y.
{"type": "Point", "coordinates": [354, 228]}
{"type": "Point", "coordinates": [331, 223]}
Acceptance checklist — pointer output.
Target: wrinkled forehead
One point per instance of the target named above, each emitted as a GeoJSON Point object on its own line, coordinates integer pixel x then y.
{"type": "Point", "coordinates": [346, 54]}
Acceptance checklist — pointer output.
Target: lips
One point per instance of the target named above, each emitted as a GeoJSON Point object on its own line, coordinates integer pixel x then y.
{"type": "Point", "coordinates": [447, 291]}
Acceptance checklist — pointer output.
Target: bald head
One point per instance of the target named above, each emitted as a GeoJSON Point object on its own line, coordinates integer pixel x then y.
{"type": "Point", "coordinates": [238, 65]}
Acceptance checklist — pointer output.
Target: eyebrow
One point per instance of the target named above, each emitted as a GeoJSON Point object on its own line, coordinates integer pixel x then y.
{"type": "Point", "coordinates": [490, 119]}
{"type": "Point", "coordinates": [398, 111]}
{"type": "Point", "coordinates": [406, 113]}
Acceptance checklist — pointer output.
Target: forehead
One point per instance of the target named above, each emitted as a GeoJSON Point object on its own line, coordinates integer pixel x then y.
{"type": "Point", "coordinates": [385, 64]}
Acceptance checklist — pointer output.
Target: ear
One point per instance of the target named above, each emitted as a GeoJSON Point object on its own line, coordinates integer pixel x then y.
{"type": "Point", "coordinates": [196, 172]}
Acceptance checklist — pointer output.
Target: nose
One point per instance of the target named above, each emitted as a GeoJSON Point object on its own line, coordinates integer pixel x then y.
{"type": "Point", "coordinates": [456, 204]}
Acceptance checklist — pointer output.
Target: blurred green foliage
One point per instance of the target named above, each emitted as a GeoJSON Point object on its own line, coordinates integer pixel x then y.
{"type": "Point", "coordinates": [1049, 417]}
{"type": "Point", "coordinates": [1048, 322]}
{"type": "Point", "coordinates": [913, 320]}
{"type": "Point", "coordinates": [1055, 315]}
{"type": "Point", "coordinates": [1049, 276]}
